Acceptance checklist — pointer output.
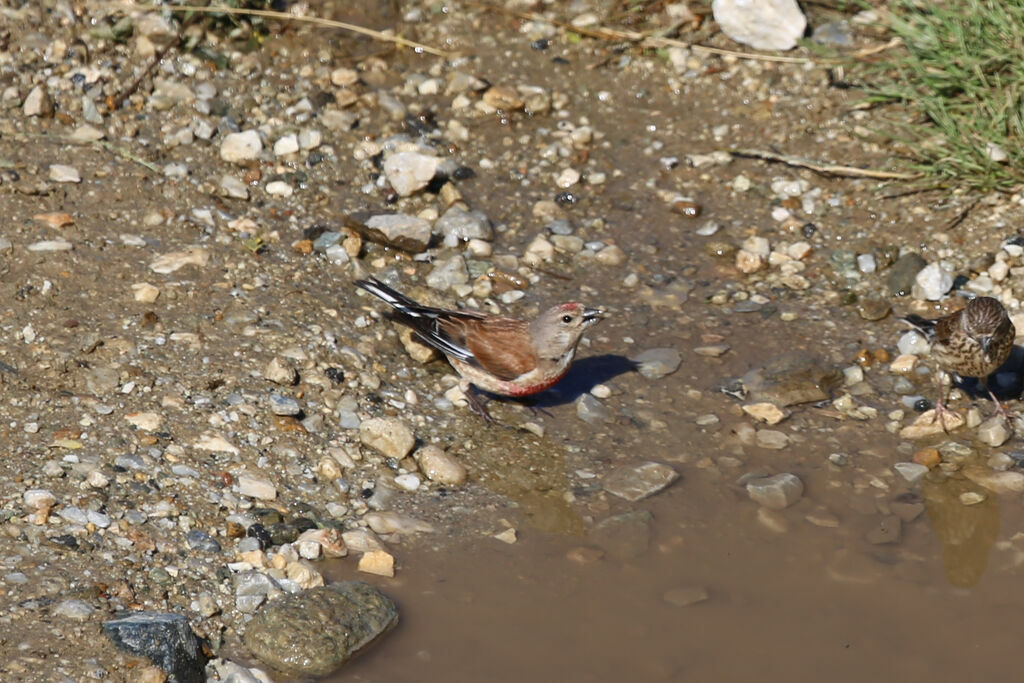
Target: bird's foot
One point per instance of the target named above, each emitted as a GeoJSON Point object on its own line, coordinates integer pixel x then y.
{"type": "Point", "coordinates": [940, 415]}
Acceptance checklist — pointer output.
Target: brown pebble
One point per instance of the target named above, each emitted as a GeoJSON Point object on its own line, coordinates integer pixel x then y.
{"type": "Point", "coordinates": [882, 356]}
{"type": "Point", "coordinates": [865, 358]}
{"type": "Point", "coordinates": [235, 530]}
{"type": "Point", "coordinates": [54, 220]}
{"type": "Point", "coordinates": [67, 433]}
{"type": "Point", "coordinates": [929, 457]}
{"type": "Point", "coordinates": [285, 423]}
{"type": "Point", "coordinates": [684, 207]}
{"type": "Point", "coordinates": [147, 440]}
{"type": "Point", "coordinates": [252, 176]}
{"type": "Point", "coordinates": [303, 247]}
{"type": "Point", "coordinates": [506, 282]}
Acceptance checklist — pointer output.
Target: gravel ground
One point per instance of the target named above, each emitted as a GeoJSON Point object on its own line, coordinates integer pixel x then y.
{"type": "Point", "coordinates": [190, 379]}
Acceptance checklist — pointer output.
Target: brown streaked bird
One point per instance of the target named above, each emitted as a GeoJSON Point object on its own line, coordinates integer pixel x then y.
{"type": "Point", "coordinates": [972, 342]}
{"type": "Point", "coordinates": [504, 356]}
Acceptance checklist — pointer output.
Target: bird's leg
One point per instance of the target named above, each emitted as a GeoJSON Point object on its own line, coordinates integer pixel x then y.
{"type": "Point", "coordinates": [940, 405]}
{"type": "Point", "coordinates": [469, 391]}
{"type": "Point", "coordinates": [1000, 408]}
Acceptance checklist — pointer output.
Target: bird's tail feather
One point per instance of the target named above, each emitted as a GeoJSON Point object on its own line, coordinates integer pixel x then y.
{"type": "Point", "coordinates": [922, 325]}
{"type": "Point", "coordinates": [391, 297]}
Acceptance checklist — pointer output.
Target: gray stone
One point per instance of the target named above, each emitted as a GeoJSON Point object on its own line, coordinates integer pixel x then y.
{"type": "Point", "coordinates": [315, 632]}
{"type": "Point", "coordinates": [591, 410]}
{"type": "Point", "coordinates": [410, 172]}
{"type": "Point", "coordinates": [200, 540]}
{"type": "Point", "coordinates": [911, 471]}
{"type": "Point", "coordinates": [398, 230]}
{"type": "Point", "coordinates": [280, 371]}
{"type": "Point", "coordinates": [902, 274]}
{"type": "Point", "coordinates": [636, 482]}
{"type": "Point", "coordinates": [657, 363]}
{"type": "Point", "coordinates": [165, 638]}
{"type": "Point", "coordinates": [239, 148]}
{"type": "Point", "coordinates": [448, 273]}
{"type": "Point", "coordinates": [458, 225]}
{"type": "Point", "coordinates": [73, 609]}
{"type": "Point", "coordinates": [776, 492]}
{"type": "Point", "coordinates": [284, 405]}
{"type": "Point", "coordinates": [761, 24]}
{"type": "Point", "coordinates": [684, 597]}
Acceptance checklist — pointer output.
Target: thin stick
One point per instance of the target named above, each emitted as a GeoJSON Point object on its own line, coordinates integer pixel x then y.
{"type": "Point", "coordinates": [823, 169]}
{"type": "Point", "coordinates": [284, 16]}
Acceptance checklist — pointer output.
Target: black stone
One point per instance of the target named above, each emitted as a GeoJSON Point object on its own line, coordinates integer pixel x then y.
{"type": "Point", "coordinates": [165, 638]}
{"type": "Point", "coordinates": [260, 533]}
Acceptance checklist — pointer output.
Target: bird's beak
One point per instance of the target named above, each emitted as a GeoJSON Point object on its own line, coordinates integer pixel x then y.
{"type": "Point", "coordinates": [985, 342]}
{"type": "Point", "coordinates": [592, 315]}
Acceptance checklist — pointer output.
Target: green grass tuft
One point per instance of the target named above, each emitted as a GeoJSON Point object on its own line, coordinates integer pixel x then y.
{"type": "Point", "coordinates": [961, 74]}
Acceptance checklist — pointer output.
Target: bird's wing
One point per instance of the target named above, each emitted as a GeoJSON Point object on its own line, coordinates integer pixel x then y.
{"type": "Point", "coordinates": [501, 346]}
{"type": "Point", "coordinates": [945, 327]}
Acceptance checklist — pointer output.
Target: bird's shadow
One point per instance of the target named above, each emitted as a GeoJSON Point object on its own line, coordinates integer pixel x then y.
{"type": "Point", "coordinates": [581, 378]}
{"type": "Point", "coordinates": [1007, 382]}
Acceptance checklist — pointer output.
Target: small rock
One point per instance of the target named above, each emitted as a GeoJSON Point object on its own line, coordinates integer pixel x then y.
{"type": "Point", "coordinates": [770, 438]}
{"type": "Point", "coordinates": [934, 281]}
{"type": "Point", "coordinates": [239, 148]}
{"type": "Point", "coordinates": [765, 412]}
{"type": "Point", "coordinates": [636, 482]}
{"type": "Point", "coordinates": [398, 230]}
{"type": "Point", "coordinates": [51, 245]}
{"type": "Point", "coordinates": [145, 293]}
{"type": "Point", "coordinates": [1010, 481]}
{"type": "Point", "coordinates": [713, 351]}
{"type": "Point", "coordinates": [280, 371]}
{"type": "Point", "coordinates": [175, 260]}
{"type": "Point", "coordinates": [79, 610]}
{"type": "Point", "coordinates": [927, 424]}
{"type": "Point", "coordinates": [439, 466]}
{"type": "Point", "coordinates": [408, 482]}
{"type": "Point", "coordinates": [289, 144]}
{"type": "Point", "coordinates": [457, 225]}
{"type": "Point", "coordinates": [38, 103]}
{"type": "Point", "coordinates": [994, 431]}
{"type": "Point", "coordinates": [149, 421]}
{"type": "Point", "coordinates": [254, 487]}
{"type": "Point", "coordinates": [377, 562]}
{"type": "Point", "coordinates": [409, 172]}
{"type": "Point", "coordinates": [284, 405]}
{"type": "Point", "coordinates": [903, 272]}
{"type": "Point", "coordinates": [506, 536]}
{"type": "Point", "coordinates": [929, 457]}
{"type": "Point", "coordinates": [776, 492]}
{"type": "Point", "coordinates": [657, 363]}
{"type": "Point", "coordinates": [590, 409]}
{"type": "Point", "coordinates": [387, 523]}
{"type": "Point", "coordinates": [312, 633]}
{"type": "Point", "coordinates": [61, 173]}
{"type": "Point", "coordinates": [911, 471]}
{"type": "Point", "coordinates": [684, 597]}
{"type": "Point", "coordinates": [761, 24]}
{"type": "Point", "coordinates": [389, 436]}
{"type": "Point", "coordinates": [165, 639]}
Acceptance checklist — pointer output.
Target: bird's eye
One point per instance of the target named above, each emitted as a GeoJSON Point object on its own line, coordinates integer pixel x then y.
{"type": "Point", "coordinates": [566, 318]}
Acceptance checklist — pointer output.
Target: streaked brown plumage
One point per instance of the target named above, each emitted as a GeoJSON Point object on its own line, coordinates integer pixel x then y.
{"type": "Point", "coordinates": [972, 342]}
{"type": "Point", "coordinates": [504, 356]}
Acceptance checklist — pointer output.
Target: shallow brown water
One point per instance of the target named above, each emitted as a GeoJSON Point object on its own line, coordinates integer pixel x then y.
{"type": "Point", "coordinates": [796, 606]}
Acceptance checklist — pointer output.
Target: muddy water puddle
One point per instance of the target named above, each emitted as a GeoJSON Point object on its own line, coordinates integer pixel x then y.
{"type": "Point", "coordinates": [788, 606]}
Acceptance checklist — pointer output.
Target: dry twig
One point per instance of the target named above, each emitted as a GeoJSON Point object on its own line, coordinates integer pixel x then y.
{"type": "Point", "coordinates": [823, 169]}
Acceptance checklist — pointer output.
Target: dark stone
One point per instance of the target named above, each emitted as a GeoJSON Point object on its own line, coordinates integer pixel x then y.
{"type": "Point", "coordinates": [165, 638]}
{"type": "Point", "coordinates": [260, 533]}
{"type": "Point", "coordinates": [283, 532]}
{"type": "Point", "coordinates": [314, 632]}
{"type": "Point", "coordinates": [267, 516]}
{"type": "Point", "coordinates": [902, 274]}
